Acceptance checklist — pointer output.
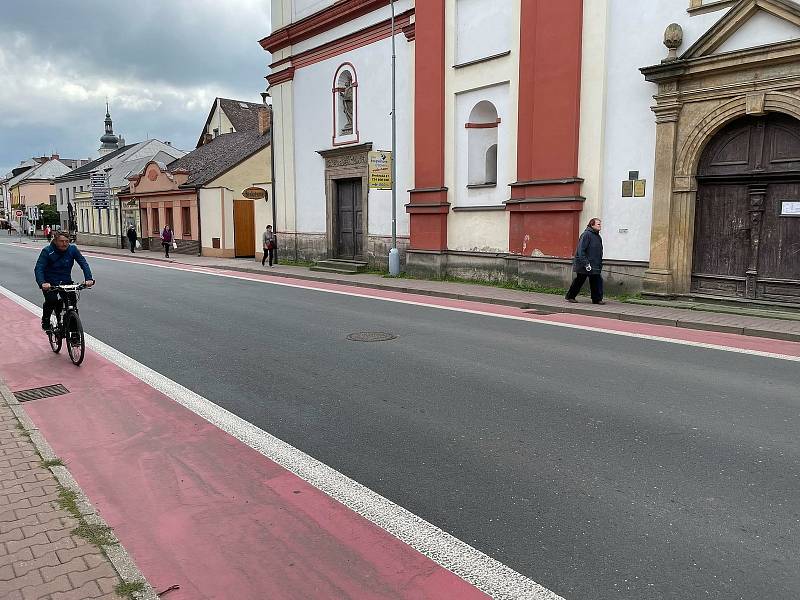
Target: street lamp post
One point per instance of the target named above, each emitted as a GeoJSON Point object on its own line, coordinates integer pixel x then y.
{"type": "Point", "coordinates": [394, 255]}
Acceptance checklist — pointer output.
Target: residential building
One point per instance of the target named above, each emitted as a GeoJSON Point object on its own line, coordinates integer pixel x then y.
{"type": "Point", "coordinates": [520, 120]}
{"type": "Point", "coordinates": [202, 195]}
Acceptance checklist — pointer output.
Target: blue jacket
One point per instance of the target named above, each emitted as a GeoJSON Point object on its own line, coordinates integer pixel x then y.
{"type": "Point", "coordinates": [55, 267]}
{"type": "Point", "coordinates": [589, 252]}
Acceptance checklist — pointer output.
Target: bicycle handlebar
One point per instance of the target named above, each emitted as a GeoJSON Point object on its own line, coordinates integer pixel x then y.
{"type": "Point", "coordinates": [70, 287]}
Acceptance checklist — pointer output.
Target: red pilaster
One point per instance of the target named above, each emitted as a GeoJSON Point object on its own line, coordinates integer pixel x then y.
{"type": "Point", "coordinates": [545, 201]}
{"type": "Point", "coordinates": [428, 206]}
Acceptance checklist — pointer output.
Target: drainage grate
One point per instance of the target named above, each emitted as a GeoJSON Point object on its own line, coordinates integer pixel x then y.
{"type": "Point", "coordinates": [47, 391]}
{"type": "Point", "coordinates": [371, 336]}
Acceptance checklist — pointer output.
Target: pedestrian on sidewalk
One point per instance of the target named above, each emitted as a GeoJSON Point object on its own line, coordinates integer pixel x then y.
{"type": "Point", "coordinates": [132, 237]}
{"type": "Point", "coordinates": [167, 239]}
{"type": "Point", "coordinates": [588, 263]}
{"type": "Point", "coordinates": [270, 244]}
{"type": "Point", "coordinates": [48, 233]}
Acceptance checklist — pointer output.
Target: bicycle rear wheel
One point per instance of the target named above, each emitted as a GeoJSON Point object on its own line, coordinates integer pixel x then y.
{"type": "Point", "coordinates": [54, 335]}
{"type": "Point", "coordinates": [73, 332]}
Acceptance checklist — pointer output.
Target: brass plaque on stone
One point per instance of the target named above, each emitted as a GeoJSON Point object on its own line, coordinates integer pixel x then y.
{"type": "Point", "coordinates": [639, 187]}
{"type": "Point", "coordinates": [627, 189]}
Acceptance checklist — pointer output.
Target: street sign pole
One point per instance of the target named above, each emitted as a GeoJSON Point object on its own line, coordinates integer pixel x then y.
{"type": "Point", "coordinates": [394, 255]}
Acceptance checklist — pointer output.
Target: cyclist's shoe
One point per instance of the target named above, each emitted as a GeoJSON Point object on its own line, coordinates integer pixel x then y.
{"type": "Point", "coordinates": [45, 324]}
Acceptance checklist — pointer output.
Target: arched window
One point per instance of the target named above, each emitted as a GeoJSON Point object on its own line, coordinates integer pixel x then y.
{"type": "Point", "coordinates": [482, 143]}
{"type": "Point", "coordinates": [345, 105]}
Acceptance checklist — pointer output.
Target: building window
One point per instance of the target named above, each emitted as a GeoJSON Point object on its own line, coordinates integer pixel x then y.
{"type": "Point", "coordinates": [154, 220]}
{"type": "Point", "coordinates": [61, 196]}
{"type": "Point", "coordinates": [482, 144]}
{"type": "Point", "coordinates": [186, 221]}
{"type": "Point", "coordinates": [169, 221]}
{"type": "Point", "coordinates": [345, 105]}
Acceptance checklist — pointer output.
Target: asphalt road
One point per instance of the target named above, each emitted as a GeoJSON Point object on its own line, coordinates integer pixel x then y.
{"type": "Point", "coordinates": [600, 466]}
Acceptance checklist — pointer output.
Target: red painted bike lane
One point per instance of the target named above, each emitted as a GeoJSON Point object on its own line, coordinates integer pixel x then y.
{"type": "Point", "coordinates": [196, 507]}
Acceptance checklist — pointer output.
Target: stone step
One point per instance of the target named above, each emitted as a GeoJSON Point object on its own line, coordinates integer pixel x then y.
{"type": "Point", "coordinates": [348, 266]}
{"type": "Point", "coordinates": [332, 270]}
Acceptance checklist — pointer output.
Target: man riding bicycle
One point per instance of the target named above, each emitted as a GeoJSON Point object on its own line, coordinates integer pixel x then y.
{"type": "Point", "coordinates": [54, 267]}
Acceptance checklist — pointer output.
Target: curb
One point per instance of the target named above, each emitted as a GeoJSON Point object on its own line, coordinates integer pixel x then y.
{"type": "Point", "coordinates": [553, 308]}
{"type": "Point", "coordinates": [120, 559]}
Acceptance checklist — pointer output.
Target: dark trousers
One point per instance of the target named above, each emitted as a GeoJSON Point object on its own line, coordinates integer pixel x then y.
{"type": "Point", "coordinates": [271, 254]}
{"type": "Point", "coordinates": [595, 285]}
{"type": "Point", "coordinates": [132, 244]}
{"type": "Point", "coordinates": [53, 302]}
{"type": "Point", "coordinates": [166, 248]}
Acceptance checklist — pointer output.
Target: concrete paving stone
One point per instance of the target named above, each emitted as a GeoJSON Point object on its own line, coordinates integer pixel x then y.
{"type": "Point", "coordinates": [10, 559]}
{"type": "Point", "coordinates": [7, 572]}
{"type": "Point", "coordinates": [15, 595]}
{"type": "Point", "coordinates": [56, 534]}
{"type": "Point", "coordinates": [75, 565]}
{"type": "Point", "coordinates": [50, 487]}
{"type": "Point", "coordinates": [107, 584]}
{"type": "Point", "coordinates": [53, 525]}
{"type": "Point", "coordinates": [81, 578]}
{"type": "Point", "coordinates": [34, 510]}
{"type": "Point", "coordinates": [33, 578]}
{"type": "Point", "coordinates": [12, 535]}
{"type": "Point", "coordinates": [22, 567]}
{"type": "Point", "coordinates": [84, 551]}
{"type": "Point", "coordinates": [27, 521]}
{"type": "Point", "coordinates": [46, 590]}
{"type": "Point", "coordinates": [15, 545]}
{"type": "Point", "coordinates": [27, 478]}
{"type": "Point", "coordinates": [34, 493]}
{"type": "Point", "coordinates": [89, 590]}
{"type": "Point", "coordinates": [62, 544]}
{"type": "Point", "coordinates": [12, 490]}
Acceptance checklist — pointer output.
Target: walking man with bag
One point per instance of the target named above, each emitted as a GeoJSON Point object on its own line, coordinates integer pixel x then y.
{"type": "Point", "coordinates": [270, 244]}
{"type": "Point", "coordinates": [588, 263]}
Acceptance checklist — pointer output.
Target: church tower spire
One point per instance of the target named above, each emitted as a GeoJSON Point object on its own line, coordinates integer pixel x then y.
{"type": "Point", "coordinates": [108, 142]}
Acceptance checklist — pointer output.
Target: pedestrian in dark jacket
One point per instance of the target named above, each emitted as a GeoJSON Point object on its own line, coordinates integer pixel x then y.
{"type": "Point", "coordinates": [269, 242]}
{"type": "Point", "coordinates": [588, 263]}
{"type": "Point", "coordinates": [166, 239]}
{"type": "Point", "coordinates": [132, 237]}
{"type": "Point", "coordinates": [54, 267]}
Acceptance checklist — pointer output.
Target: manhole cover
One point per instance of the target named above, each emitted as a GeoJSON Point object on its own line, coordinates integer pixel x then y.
{"type": "Point", "coordinates": [47, 391]}
{"type": "Point", "coordinates": [371, 336]}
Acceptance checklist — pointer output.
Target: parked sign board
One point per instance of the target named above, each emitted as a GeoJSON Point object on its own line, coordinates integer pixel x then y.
{"type": "Point", "coordinates": [100, 191]}
{"type": "Point", "coordinates": [380, 170]}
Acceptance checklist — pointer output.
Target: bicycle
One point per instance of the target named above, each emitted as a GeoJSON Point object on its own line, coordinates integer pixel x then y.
{"type": "Point", "coordinates": [65, 324]}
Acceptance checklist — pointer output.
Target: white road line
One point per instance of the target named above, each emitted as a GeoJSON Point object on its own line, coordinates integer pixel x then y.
{"type": "Point", "coordinates": [485, 573]}
{"type": "Point", "coordinates": [364, 293]}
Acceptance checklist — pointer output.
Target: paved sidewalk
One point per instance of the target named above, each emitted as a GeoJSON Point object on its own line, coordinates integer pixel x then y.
{"type": "Point", "coordinates": [41, 556]}
{"type": "Point", "coordinates": [654, 315]}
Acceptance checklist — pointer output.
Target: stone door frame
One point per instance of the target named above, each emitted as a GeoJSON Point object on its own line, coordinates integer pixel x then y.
{"type": "Point", "coordinates": [697, 96]}
{"type": "Point", "coordinates": [346, 162]}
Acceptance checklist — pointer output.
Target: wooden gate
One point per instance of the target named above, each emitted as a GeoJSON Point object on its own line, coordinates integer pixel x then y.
{"type": "Point", "coordinates": [244, 228]}
{"type": "Point", "coordinates": [747, 226]}
{"type": "Point", "coordinates": [349, 219]}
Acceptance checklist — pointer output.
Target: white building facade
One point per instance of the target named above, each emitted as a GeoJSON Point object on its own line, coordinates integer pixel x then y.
{"type": "Point", "coordinates": [673, 121]}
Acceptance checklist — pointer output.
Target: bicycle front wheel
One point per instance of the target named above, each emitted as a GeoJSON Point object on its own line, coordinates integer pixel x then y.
{"type": "Point", "coordinates": [73, 333]}
{"type": "Point", "coordinates": [54, 335]}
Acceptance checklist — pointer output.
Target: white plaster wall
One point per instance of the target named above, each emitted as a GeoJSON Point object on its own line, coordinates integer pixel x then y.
{"type": "Point", "coordinates": [283, 111]}
{"type": "Point", "coordinates": [485, 231]}
{"type": "Point", "coordinates": [481, 32]}
{"type": "Point", "coordinates": [376, 16]}
{"type": "Point", "coordinates": [304, 8]}
{"type": "Point", "coordinates": [762, 28]}
{"type": "Point", "coordinates": [313, 130]}
{"type": "Point", "coordinates": [636, 32]}
{"type": "Point", "coordinates": [594, 53]}
{"type": "Point", "coordinates": [219, 120]}
{"type": "Point", "coordinates": [506, 168]}
{"type": "Point", "coordinates": [213, 203]}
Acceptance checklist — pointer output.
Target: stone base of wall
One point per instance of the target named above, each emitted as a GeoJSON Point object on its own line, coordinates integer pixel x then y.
{"type": "Point", "coordinates": [310, 247]}
{"type": "Point", "coordinates": [621, 277]}
{"type": "Point", "coordinates": [97, 239]}
{"type": "Point", "coordinates": [184, 246]}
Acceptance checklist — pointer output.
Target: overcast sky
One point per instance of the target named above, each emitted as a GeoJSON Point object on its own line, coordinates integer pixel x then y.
{"type": "Point", "coordinates": [160, 63]}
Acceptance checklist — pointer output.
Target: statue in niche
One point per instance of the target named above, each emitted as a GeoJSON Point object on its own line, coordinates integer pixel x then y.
{"type": "Point", "coordinates": [346, 98]}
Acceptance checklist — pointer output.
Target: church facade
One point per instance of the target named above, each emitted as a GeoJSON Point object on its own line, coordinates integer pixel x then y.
{"type": "Point", "coordinates": [673, 121]}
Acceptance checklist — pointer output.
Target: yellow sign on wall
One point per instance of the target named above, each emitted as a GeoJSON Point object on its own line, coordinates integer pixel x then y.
{"type": "Point", "coordinates": [380, 170]}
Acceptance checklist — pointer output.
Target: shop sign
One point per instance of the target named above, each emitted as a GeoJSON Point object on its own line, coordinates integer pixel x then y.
{"type": "Point", "coordinates": [380, 170]}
